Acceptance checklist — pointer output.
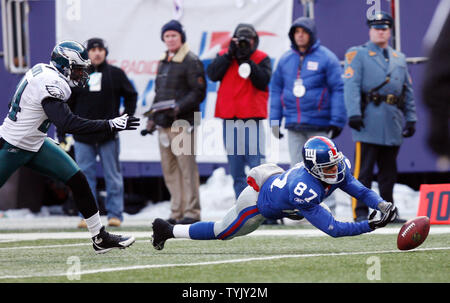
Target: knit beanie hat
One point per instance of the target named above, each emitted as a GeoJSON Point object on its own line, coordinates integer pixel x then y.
{"type": "Point", "coordinates": [96, 42]}
{"type": "Point", "coordinates": [173, 25]}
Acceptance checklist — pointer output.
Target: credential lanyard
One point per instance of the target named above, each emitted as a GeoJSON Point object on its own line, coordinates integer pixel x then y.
{"type": "Point", "coordinates": [299, 69]}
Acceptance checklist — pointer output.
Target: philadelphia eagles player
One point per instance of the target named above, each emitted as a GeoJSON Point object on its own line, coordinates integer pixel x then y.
{"type": "Point", "coordinates": [297, 193]}
{"type": "Point", "coordinates": [39, 100]}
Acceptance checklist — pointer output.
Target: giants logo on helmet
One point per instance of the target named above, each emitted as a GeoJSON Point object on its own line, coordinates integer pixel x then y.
{"type": "Point", "coordinates": [310, 154]}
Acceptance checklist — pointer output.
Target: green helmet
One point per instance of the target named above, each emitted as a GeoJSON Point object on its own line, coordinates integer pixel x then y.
{"type": "Point", "coordinates": [71, 59]}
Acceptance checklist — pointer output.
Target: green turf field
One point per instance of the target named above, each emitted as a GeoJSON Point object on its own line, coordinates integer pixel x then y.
{"type": "Point", "coordinates": [253, 259]}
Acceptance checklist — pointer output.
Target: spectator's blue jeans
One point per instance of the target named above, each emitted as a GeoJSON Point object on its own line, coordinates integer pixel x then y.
{"type": "Point", "coordinates": [244, 142]}
{"type": "Point", "coordinates": [85, 156]}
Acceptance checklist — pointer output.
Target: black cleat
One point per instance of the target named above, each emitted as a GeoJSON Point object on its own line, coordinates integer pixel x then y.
{"type": "Point", "coordinates": [105, 241]}
{"type": "Point", "coordinates": [162, 230]}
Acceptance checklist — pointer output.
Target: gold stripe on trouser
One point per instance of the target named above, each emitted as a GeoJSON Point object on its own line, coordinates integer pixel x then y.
{"type": "Point", "coordinates": [356, 173]}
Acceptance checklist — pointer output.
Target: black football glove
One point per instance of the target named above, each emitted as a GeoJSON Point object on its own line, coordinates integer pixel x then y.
{"type": "Point", "coordinates": [124, 122]}
{"type": "Point", "coordinates": [334, 131]}
{"type": "Point", "coordinates": [356, 122]}
{"type": "Point", "coordinates": [409, 130]}
{"type": "Point", "coordinates": [387, 215]}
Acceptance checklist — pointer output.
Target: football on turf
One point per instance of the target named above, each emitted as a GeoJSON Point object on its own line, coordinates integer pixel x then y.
{"type": "Point", "coordinates": [413, 233]}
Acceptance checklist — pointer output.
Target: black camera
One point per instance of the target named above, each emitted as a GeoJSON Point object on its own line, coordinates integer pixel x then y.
{"type": "Point", "coordinates": [243, 43]}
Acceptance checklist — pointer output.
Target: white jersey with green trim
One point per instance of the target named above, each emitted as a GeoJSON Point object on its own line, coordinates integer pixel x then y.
{"type": "Point", "coordinates": [26, 123]}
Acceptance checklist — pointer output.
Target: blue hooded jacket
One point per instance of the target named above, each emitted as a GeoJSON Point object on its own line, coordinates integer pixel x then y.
{"type": "Point", "coordinates": [322, 104]}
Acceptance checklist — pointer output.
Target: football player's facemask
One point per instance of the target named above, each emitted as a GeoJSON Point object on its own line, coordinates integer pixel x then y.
{"type": "Point", "coordinates": [71, 59]}
{"type": "Point", "coordinates": [323, 160]}
{"type": "Point", "coordinates": [78, 76]}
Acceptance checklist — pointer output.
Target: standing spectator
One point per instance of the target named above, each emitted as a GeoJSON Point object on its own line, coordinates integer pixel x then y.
{"type": "Point", "coordinates": [244, 73]}
{"type": "Point", "coordinates": [180, 79]}
{"type": "Point", "coordinates": [379, 97]}
{"type": "Point", "coordinates": [307, 91]}
{"type": "Point", "coordinates": [100, 99]}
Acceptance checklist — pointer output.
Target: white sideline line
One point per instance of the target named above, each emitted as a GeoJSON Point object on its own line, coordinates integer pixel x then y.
{"type": "Point", "coordinates": [136, 267]}
{"type": "Point", "coordinates": [147, 234]}
{"type": "Point", "coordinates": [57, 245]}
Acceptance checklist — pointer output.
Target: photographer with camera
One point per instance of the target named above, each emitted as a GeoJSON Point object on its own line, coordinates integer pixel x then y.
{"type": "Point", "coordinates": [244, 73]}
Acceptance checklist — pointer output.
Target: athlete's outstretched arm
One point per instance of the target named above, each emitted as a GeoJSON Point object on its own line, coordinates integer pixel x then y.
{"type": "Point", "coordinates": [59, 114]}
{"type": "Point", "coordinates": [324, 220]}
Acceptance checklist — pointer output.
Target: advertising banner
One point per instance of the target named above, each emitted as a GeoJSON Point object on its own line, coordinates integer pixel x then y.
{"type": "Point", "coordinates": [132, 30]}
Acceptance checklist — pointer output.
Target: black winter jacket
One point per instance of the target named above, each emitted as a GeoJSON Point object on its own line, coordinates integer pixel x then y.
{"type": "Point", "coordinates": [182, 79]}
{"type": "Point", "coordinates": [103, 104]}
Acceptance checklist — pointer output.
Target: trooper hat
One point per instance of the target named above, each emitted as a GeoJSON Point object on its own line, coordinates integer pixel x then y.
{"type": "Point", "coordinates": [380, 20]}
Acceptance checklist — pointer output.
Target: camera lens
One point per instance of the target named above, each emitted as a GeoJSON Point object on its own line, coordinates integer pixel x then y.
{"type": "Point", "coordinates": [243, 43]}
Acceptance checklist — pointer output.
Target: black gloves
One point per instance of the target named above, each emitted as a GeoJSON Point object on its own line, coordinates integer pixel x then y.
{"type": "Point", "coordinates": [388, 214]}
{"type": "Point", "coordinates": [243, 54]}
{"type": "Point", "coordinates": [334, 131]}
{"type": "Point", "coordinates": [409, 130]}
{"type": "Point", "coordinates": [151, 127]}
{"type": "Point", "coordinates": [276, 132]}
{"type": "Point", "coordinates": [356, 122]}
{"type": "Point", "coordinates": [232, 49]}
{"type": "Point", "coordinates": [124, 122]}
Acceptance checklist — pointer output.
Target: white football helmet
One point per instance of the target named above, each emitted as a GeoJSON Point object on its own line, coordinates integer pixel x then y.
{"type": "Point", "coordinates": [71, 59]}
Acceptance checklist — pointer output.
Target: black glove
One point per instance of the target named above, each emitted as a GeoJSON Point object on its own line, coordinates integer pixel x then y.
{"type": "Point", "coordinates": [151, 127]}
{"type": "Point", "coordinates": [243, 53]}
{"type": "Point", "coordinates": [356, 122]}
{"type": "Point", "coordinates": [389, 215]}
{"type": "Point", "coordinates": [334, 130]}
{"type": "Point", "coordinates": [124, 122]}
{"type": "Point", "coordinates": [232, 49]}
{"type": "Point", "coordinates": [242, 57]}
{"type": "Point", "coordinates": [276, 132]}
{"type": "Point", "coordinates": [409, 130]}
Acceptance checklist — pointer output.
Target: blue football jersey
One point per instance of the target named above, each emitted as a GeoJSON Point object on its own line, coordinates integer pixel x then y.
{"type": "Point", "coordinates": [296, 191]}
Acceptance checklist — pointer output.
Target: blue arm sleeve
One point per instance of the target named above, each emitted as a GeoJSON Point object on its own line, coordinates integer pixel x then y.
{"type": "Point", "coordinates": [323, 220]}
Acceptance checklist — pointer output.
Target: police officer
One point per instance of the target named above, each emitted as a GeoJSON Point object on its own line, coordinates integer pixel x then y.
{"type": "Point", "coordinates": [380, 106]}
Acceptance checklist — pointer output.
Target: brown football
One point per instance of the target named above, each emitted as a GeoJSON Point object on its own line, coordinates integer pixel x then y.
{"type": "Point", "coordinates": [413, 233]}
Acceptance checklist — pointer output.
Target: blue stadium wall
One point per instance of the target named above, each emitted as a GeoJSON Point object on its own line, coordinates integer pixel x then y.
{"type": "Point", "coordinates": [348, 30]}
